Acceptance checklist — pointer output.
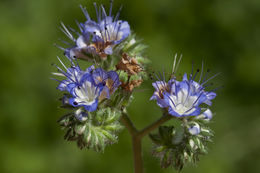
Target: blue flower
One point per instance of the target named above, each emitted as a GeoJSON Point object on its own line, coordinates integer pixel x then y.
{"type": "Point", "coordinates": [160, 88]}
{"type": "Point", "coordinates": [73, 76]}
{"type": "Point", "coordinates": [194, 129]}
{"type": "Point", "coordinates": [87, 87]}
{"type": "Point", "coordinates": [86, 94]}
{"type": "Point", "coordinates": [206, 115]}
{"type": "Point", "coordinates": [109, 79]}
{"type": "Point", "coordinates": [97, 37]}
{"type": "Point", "coordinates": [183, 98]}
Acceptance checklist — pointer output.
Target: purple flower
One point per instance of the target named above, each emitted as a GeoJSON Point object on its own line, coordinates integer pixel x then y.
{"type": "Point", "coordinates": [87, 87]}
{"type": "Point", "coordinates": [72, 75]}
{"type": "Point", "coordinates": [183, 98]}
{"type": "Point", "coordinates": [109, 79]}
{"type": "Point", "coordinates": [86, 94]}
{"type": "Point", "coordinates": [97, 37]}
{"type": "Point", "coordinates": [160, 88]}
{"type": "Point", "coordinates": [194, 129]}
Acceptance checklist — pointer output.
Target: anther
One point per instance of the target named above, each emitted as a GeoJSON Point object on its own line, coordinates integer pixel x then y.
{"type": "Point", "coordinates": [75, 103]}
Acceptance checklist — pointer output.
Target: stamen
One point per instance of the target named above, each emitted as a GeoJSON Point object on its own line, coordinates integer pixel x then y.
{"type": "Point", "coordinates": [104, 14]}
{"type": "Point", "coordinates": [191, 74]}
{"type": "Point", "coordinates": [61, 48]}
{"type": "Point", "coordinates": [178, 63]}
{"type": "Point", "coordinates": [97, 14]}
{"type": "Point", "coordinates": [73, 30]}
{"type": "Point", "coordinates": [201, 71]}
{"type": "Point", "coordinates": [210, 78]}
{"type": "Point", "coordinates": [111, 6]}
{"type": "Point", "coordinates": [118, 28]}
{"type": "Point", "coordinates": [174, 63]}
{"type": "Point", "coordinates": [118, 13]}
{"type": "Point", "coordinates": [65, 42]}
{"type": "Point", "coordinates": [62, 63]}
{"type": "Point", "coordinates": [56, 80]}
{"type": "Point", "coordinates": [66, 32]}
{"type": "Point", "coordinates": [85, 12]}
{"type": "Point", "coordinates": [205, 77]}
{"type": "Point", "coordinates": [79, 26]}
{"type": "Point", "coordinates": [217, 88]}
{"type": "Point", "coordinates": [198, 70]}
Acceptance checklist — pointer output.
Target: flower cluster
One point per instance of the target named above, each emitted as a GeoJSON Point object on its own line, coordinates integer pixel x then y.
{"type": "Point", "coordinates": [97, 37]}
{"type": "Point", "coordinates": [98, 96]}
{"type": "Point", "coordinates": [87, 87]}
{"type": "Point", "coordinates": [91, 94]}
{"type": "Point", "coordinates": [184, 98]}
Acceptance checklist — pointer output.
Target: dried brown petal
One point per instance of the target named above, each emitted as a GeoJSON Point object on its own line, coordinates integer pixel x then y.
{"type": "Point", "coordinates": [129, 65]}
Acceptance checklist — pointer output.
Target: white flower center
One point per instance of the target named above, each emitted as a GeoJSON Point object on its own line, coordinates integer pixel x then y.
{"type": "Point", "coordinates": [87, 93]}
{"type": "Point", "coordinates": [183, 103]}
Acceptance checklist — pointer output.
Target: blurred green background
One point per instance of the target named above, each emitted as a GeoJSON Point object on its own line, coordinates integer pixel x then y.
{"type": "Point", "coordinates": [225, 34]}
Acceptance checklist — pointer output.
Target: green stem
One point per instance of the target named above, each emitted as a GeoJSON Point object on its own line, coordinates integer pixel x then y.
{"type": "Point", "coordinates": [138, 135]}
{"type": "Point", "coordinates": [129, 124]}
{"type": "Point", "coordinates": [137, 150]}
{"type": "Point", "coordinates": [154, 125]}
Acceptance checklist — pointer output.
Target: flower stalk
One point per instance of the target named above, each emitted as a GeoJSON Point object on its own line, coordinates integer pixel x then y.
{"type": "Point", "coordinates": [138, 135]}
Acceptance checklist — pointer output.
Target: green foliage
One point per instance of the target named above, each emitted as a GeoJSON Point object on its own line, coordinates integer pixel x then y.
{"type": "Point", "coordinates": [97, 131]}
{"type": "Point", "coordinates": [131, 46]}
{"type": "Point", "coordinates": [177, 147]}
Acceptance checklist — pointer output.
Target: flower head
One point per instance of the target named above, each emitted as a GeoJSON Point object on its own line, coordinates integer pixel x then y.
{"type": "Point", "coordinates": [86, 94]}
{"type": "Point", "coordinates": [183, 98]}
{"type": "Point", "coordinates": [97, 37]}
{"type": "Point", "coordinates": [87, 87]}
{"type": "Point", "coordinates": [109, 79]}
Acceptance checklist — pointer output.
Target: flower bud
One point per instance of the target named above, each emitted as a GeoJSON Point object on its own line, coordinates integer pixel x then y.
{"type": "Point", "coordinates": [194, 129]}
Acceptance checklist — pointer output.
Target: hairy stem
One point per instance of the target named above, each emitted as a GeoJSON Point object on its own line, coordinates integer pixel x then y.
{"type": "Point", "coordinates": [138, 135]}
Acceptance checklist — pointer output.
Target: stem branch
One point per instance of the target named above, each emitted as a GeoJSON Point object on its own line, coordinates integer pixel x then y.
{"type": "Point", "coordinates": [138, 135]}
{"type": "Point", "coordinates": [129, 124]}
{"type": "Point", "coordinates": [154, 125]}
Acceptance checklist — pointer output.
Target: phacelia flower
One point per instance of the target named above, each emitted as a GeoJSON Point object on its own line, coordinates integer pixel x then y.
{"type": "Point", "coordinates": [87, 93]}
{"type": "Point", "coordinates": [97, 37]}
{"type": "Point", "coordinates": [72, 74]}
{"type": "Point", "coordinates": [88, 87]}
{"type": "Point", "coordinates": [109, 79]}
{"type": "Point", "coordinates": [183, 98]}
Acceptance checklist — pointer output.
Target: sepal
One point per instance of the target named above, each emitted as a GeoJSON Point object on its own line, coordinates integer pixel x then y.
{"type": "Point", "coordinates": [96, 131]}
{"type": "Point", "coordinates": [177, 147]}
